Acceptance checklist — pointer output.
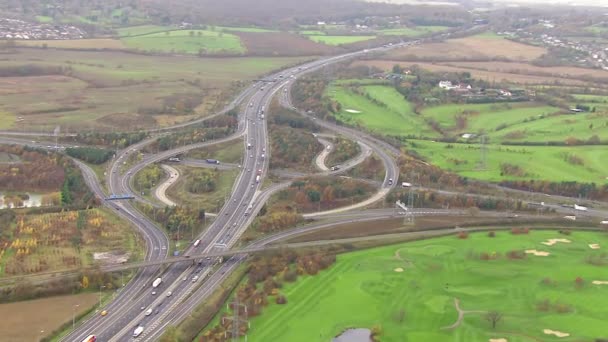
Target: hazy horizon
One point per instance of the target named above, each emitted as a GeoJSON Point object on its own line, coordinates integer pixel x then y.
{"type": "Point", "coordinates": [509, 2]}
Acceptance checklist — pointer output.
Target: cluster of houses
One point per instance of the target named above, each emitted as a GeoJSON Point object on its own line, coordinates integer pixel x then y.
{"type": "Point", "coordinates": [447, 85]}
{"type": "Point", "coordinates": [470, 94]}
{"type": "Point", "coordinates": [22, 30]}
{"type": "Point", "coordinates": [597, 56]}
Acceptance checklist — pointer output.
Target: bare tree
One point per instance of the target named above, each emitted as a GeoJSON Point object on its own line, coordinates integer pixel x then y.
{"type": "Point", "coordinates": [493, 317]}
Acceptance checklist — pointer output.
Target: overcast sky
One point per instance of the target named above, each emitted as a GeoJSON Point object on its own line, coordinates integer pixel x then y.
{"type": "Point", "coordinates": [603, 3]}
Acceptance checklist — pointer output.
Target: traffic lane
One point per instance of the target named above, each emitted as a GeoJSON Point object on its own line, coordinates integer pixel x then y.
{"type": "Point", "coordinates": [117, 182]}
{"type": "Point", "coordinates": [258, 152]}
{"type": "Point", "coordinates": [225, 235]}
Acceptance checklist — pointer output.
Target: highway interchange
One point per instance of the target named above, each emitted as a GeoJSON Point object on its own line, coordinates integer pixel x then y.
{"type": "Point", "coordinates": [125, 311]}
{"type": "Point", "coordinates": [189, 284]}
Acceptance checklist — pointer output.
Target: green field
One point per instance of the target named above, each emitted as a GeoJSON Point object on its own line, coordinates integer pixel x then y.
{"type": "Point", "coordinates": [228, 152]}
{"type": "Point", "coordinates": [44, 19]}
{"type": "Point", "coordinates": [312, 33]}
{"type": "Point", "coordinates": [141, 30]}
{"type": "Point", "coordinates": [536, 162]}
{"type": "Point", "coordinates": [243, 29]}
{"type": "Point", "coordinates": [488, 35]}
{"type": "Point", "coordinates": [186, 41]}
{"type": "Point", "coordinates": [486, 117]}
{"type": "Point", "coordinates": [557, 128]}
{"type": "Point", "coordinates": [393, 117]}
{"type": "Point", "coordinates": [597, 29]}
{"type": "Point", "coordinates": [338, 40]}
{"type": "Point", "coordinates": [413, 32]}
{"type": "Point", "coordinates": [364, 290]}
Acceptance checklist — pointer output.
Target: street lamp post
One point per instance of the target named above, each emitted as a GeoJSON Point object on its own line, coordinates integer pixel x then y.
{"type": "Point", "coordinates": [100, 287]}
{"type": "Point", "coordinates": [74, 315]}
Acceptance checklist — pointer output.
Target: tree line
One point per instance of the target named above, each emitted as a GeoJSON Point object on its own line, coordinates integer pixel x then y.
{"type": "Point", "coordinates": [91, 155]}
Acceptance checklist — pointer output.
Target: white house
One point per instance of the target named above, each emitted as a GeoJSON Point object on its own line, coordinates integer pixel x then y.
{"type": "Point", "coordinates": [446, 85]}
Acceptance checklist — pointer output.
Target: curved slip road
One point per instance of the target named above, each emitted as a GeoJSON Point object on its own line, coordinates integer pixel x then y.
{"type": "Point", "coordinates": [160, 191]}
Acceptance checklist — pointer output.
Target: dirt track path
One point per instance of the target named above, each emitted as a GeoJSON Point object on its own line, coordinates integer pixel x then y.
{"type": "Point", "coordinates": [461, 314]}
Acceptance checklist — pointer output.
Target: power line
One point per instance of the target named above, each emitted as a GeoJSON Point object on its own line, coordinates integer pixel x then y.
{"type": "Point", "coordinates": [236, 319]}
{"type": "Point", "coordinates": [483, 156]}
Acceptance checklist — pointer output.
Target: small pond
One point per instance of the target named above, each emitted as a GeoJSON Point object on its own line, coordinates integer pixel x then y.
{"type": "Point", "coordinates": [26, 200]}
{"type": "Point", "coordinates": [354, 335]}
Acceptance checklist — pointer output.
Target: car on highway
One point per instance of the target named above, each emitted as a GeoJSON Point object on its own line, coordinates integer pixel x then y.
{"type": "Point", "coordinates": [138, 331]}
{"type": "Point", "coordinates": [194, 279]}
{"type": "Point", "coordinates": [148, 312]}
{"type": "Point", "coordinates": [169, 294]}
{"type": "Point", "coordinates": [104, 313]}
{"type": "Point", "coordinates": [153, 293]}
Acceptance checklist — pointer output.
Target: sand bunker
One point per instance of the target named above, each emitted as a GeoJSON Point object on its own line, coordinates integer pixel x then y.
{"type": "Point", "coordinates": [594, 246]}
{"type": "Point", "coordinates": [352, 111]}
{"type": "Point", "coordinates": [552, 242]}
{"type": "Point", "coordinates": [498, 340]}
{"type": "Point", "coordinates": [398, 269]}
{"type": "Point", "coordinates": [599, 282]}
{"type": "Point", "coordinates": [556, 333]}
{"type": "Point", "coordinates": [537, 253]}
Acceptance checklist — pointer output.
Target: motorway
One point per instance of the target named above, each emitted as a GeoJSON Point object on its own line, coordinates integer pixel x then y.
{"type": "Point", "coordinates": [222, 234]}
{"type": "Point", "coordinates": [230, 223]}
{"type": "Point", "coordinates": [187, 284]}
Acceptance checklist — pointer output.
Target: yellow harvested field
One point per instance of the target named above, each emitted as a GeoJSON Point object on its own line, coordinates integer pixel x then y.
{"type": "Point", "coordinates": [522, 68]}
{"type": "Point", "coordinates": [470, 48]}
{"type": "Point", "coordinates": [479, 74]}
{"type": "Point", "coordinates": [45, 314]}
{"type": "Point", "coordinates": [102, 43]}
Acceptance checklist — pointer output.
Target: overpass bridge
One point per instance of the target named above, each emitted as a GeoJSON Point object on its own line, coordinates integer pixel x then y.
{"type": "Point", "coordinates": [263, 246]}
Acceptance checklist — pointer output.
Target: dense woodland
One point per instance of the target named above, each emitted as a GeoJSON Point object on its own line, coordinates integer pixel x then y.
{"type": "Point", "coordinates": [292, 143]}
{"type": "Point", "coordinates": [100, 15]}
{"type": "Point", "coordinates": [90, 154]}
{"type": "Point", "coordinates": [215, 128]}
{"type": "Point", "coordinates": [37, 170]}
{"type": "Point", "coordinates": [177, 219]}
{"type": "Point", "coordinates": [344, 149]}
{"type": "Point", "coordinates": [202, 180]}
{"type": "Point", "coordinates": [42, 171]}
{"type": "Point", "coordinates": [110, 139]}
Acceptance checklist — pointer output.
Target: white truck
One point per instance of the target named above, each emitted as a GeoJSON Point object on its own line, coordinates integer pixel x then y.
{"type": "Point", "coordinates": [580, 207]}
{"type": "Point", "coordinates": [257, 178]}
{"type": "Point", "coordinates": [138, 331]}
{"type": "Point", "coordinates": [196, 243]}
{"type": "Point", "coordinates": [157, 282]}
